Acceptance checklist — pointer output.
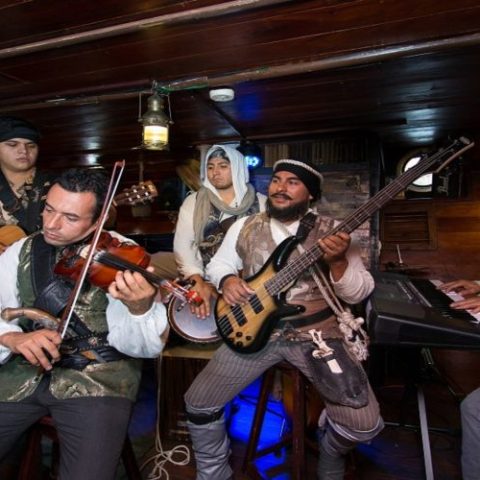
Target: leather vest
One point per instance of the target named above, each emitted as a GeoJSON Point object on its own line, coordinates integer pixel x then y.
{"type": "Point", "coordinates": [215, 230]}
{"type": "Point", "coordinates": [255, 244]}
{"type": "Point", "coordinates": [118, 378]}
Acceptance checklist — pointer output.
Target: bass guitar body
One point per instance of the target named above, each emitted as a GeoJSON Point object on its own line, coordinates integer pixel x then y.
{"type": "Point", "coordinates": [247, 328]}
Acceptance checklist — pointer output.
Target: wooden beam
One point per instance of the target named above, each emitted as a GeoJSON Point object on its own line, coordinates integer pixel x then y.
{"type": "Point", "coordinates": [193, 14]}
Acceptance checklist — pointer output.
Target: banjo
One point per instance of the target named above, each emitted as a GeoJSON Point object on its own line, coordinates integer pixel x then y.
{"type": "Point", "coordinates": [188, 325]}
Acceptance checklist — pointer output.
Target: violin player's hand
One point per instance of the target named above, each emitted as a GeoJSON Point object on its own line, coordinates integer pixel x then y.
{"type": "Point", "coordinates": [35, 346]}
{"type": "Point", "coordinates": [133, 290]}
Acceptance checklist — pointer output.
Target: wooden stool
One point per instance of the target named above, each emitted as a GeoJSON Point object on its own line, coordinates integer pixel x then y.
{"type": "Point", "coordinates": [296, 438]}
{"type": "Point", "coordinates": [29, 468]}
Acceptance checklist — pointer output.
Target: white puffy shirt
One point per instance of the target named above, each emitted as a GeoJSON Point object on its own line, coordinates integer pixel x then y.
{"type": "Point", "coordinates": [134, 335]}
{"type": "Point", "coordinates": [354, 286]}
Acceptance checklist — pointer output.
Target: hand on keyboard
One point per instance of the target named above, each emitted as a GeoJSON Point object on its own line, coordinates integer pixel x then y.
{"type": "Point", "coordinates": [471, 304]}
{"type": "Point", "coordinates": [464, 294]}
{"type": "Point", "coordinates": [465, 288]}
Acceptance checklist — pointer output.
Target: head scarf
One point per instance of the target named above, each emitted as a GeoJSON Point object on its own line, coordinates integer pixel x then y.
{"type": "Point", "coordinates": [238, 165]}
{"type": "Point", "coordinates": [208, 194]}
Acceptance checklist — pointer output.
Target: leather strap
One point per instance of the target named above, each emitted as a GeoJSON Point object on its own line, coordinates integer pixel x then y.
{"type": "Point", "coordinates": [307, 222]}
{"type": "Point", "coordinates": [298, 322]}
{"type": "Point", "coordinates": [204, 418]}
{"type": "Point", "coordinates": [78, 361]}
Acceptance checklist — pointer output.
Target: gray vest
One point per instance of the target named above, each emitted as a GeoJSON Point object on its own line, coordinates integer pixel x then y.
{"type": "Point", "coordinates": [255, 244]}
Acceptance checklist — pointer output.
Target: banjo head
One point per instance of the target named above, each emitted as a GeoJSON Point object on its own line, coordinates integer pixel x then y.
{"type": "Point", "coordinates": [190, 327]}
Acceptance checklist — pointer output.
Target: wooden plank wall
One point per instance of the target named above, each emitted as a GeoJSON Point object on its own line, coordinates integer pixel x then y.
{"type": "Point", "coordinates": [454, 247]}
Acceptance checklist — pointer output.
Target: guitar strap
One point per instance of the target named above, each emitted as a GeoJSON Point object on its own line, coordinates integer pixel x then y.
{"type": "Point", "coordinates": [9, 200]}
{"type": "Point", "coordinates": [36, 199]}
{"type": "Point", "coordinates": [306, 224]}
{"type": "Point", "coordinates": [355, 336]}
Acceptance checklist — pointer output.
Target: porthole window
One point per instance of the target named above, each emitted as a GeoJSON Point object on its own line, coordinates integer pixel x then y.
{"type": "Point", "coordinates": [422, 184]}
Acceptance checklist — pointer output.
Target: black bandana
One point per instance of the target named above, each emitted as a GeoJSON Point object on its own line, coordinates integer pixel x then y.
{"type": "Point", "coordinates": [306, 172]}
{"type": "Point", "coordinates": [13, 127]}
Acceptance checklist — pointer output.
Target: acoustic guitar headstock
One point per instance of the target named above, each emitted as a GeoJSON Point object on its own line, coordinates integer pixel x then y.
{"type": "Point", "coordinates": [139, 194]}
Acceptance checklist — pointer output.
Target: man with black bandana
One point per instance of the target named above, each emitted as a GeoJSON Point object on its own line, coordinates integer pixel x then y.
{"type": "Point", "coordinates": [22, 186]}
{"type": "Point", "coordinates": [86, 381]}
{"type": "Point", "coordinates": [305, 340]}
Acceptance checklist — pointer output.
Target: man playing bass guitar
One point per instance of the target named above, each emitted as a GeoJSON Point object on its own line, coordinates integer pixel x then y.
{"type": "Point", "coordinates": [309, 338]}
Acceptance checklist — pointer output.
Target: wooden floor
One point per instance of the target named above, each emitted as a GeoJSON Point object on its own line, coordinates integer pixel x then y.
{"type": "Point", "coordinates": [395, 454]}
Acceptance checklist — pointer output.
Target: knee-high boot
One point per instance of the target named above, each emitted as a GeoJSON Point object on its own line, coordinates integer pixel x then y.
{"type": "Point", "coordinates": [335, 442]}
{"type": "Point", "coordinates": [212, 449]}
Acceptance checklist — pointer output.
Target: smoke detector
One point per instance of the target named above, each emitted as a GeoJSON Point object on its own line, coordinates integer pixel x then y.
{"type": "Point", "coordinates": [222, 94]}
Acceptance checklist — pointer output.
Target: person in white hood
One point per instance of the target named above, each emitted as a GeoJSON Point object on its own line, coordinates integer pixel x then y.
{"type": "Point", "coordinates": [205, 215]}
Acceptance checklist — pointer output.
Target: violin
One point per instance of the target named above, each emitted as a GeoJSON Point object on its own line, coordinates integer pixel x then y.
{"type": "Point", "coordinates": [111, 256]}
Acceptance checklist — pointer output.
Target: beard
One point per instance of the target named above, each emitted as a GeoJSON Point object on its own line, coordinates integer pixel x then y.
{"type": "Point", "coordinates": [287, 214]}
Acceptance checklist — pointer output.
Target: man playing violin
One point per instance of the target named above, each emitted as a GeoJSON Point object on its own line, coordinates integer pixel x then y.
{"type": "Point", "coordinates": [87, 380]}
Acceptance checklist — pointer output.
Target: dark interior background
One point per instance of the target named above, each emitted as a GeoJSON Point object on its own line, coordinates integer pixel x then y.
{"type": "Point", "coordinates": [353, 85]}
{"type": "Point", "coordinates": [340, 82]}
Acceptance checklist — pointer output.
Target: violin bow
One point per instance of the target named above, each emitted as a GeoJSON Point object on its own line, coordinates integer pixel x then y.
{"type": "Point", "coordinates": [115, 177]}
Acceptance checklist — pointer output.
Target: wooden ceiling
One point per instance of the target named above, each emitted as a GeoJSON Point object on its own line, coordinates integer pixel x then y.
{"type": "Point", "coordinates": [406, 70]}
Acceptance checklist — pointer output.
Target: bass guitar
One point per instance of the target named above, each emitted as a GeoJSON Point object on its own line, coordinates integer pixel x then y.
{"type": "Point", "coordinates": [246, 328]}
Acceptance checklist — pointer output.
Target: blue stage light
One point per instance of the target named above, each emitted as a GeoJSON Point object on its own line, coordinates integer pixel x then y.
{"type": "Point", "coordinates": [252, 153]}
{"type": "Point", "coordinates": [275, 424]}
{"type": "Point", "coordinates": [253, 161]}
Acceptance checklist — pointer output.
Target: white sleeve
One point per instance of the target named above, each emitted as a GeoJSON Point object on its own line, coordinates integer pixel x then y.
{"type": "Point", "coordinates": [136, 335]}
{"type": "Point", "coordinates": [226, 261]}
{"type": "Point", "coordinates": [356, 282]}
{"type": "Point", "coordinates": [187, 256]}
{"type": "Point", "coordinates": [9, 291]}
